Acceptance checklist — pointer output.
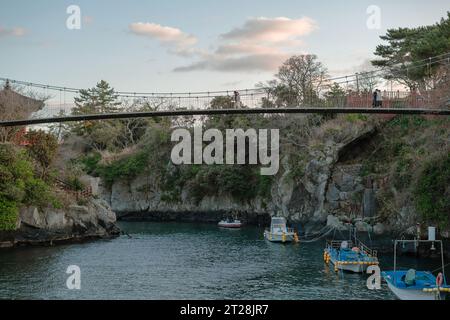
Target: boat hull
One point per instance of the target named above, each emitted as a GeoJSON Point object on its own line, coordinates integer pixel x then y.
{"type": "Point", "coordinates": [230, 225]}
{"type": "Point", "coordinates": [356, 268]}
{"type": "Point", "coordinates": [278, 237]}
{"type": "Point", "coordinates": [359, 265]}
{"type": "Point", "coordinates": [424, 281]}
{"type": "Point", "coordinates": [408, 294]}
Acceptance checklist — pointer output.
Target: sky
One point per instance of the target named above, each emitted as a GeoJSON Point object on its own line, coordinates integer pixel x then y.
{"type": "Point", "coordinates": [183, 46]}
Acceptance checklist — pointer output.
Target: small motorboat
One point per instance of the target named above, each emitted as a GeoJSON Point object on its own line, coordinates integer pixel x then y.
{"type": "Point", "coordinates": [416, 285]}
{"type": "Point", "coordinates": [279, 232]}
{"type": "Point", "coordinates": [230, 223]}
{"type": "Point", "coordinates": [352, 256]}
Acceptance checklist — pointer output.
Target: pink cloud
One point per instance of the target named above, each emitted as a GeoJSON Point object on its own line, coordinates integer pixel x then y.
{"type": "Point", "coordinates": [13, 32]}
{"type": "Point", "coordinates": [252, 63]}
{"type": "Point", "coordinates": [272, 30]}
{"type": "Point", "coordinates": [260, 44]}
{"type": "Point", "coordinates": [165, 35]}
{"type": "Point", "coordinates": [245, 48]}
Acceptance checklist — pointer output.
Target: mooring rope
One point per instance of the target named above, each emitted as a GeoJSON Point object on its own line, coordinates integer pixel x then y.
{"type": "Point", "coordinates": [320, 237]}
{"type": "Point", "coordinates": [316, 233]}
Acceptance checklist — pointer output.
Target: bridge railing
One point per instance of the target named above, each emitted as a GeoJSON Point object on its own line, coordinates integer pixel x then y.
{"type": "Point", "coordinates": [265, 98]}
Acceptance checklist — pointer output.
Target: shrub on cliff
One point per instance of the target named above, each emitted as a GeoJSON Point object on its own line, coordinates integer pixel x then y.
{"type": "Point", "coordinates": [8, 215]}
{"type": "Point", "coordinates": [42, 147]}
{"type": "Point", "coordinates": [151, 156]}
{"type": "Point", "coordinates": [19, 185]}
{"type": "Point", "coordinates": [432, 193]}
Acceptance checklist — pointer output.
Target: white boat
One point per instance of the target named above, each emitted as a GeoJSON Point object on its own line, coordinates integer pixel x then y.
{"type": "Point", "coordinates": [230, 223]}
{"type": "Point", "coordinates": [279, 232]}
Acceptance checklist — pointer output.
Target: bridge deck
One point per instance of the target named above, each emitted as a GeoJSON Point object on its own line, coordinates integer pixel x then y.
{"type": "Point", "coordinates": [299, 110]}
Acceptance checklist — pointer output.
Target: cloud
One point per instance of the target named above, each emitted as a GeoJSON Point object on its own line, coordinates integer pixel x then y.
{"type": "Point", "coordinates": [261, 44]}
{"type": "Point", "coordinates": [272, 30]}
{"type": "Point", "coordinates": [255, 62]}
{"type": "Point", "coordinates": [244, 48]}
{"type": "Point", "coordinates": [179, 42]}
{"type": "Point", "coordinates": [13, 32]}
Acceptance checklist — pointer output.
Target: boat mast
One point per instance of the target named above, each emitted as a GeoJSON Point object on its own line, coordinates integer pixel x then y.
{"type": "Point", "coordinates": [442, 260]}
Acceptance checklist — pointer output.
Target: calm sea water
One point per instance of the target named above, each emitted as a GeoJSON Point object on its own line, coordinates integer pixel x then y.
{"type": "Point", "coordinates": [180, 261]}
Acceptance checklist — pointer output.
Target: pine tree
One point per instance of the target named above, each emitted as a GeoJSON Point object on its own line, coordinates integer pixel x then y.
{"type": "Point", "coordinates": [99, 99]}
{"type": "Point", "coordinates": [408, 49]}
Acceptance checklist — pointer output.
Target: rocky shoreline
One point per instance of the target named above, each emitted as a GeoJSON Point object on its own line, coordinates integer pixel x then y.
{"type": "Point", "coordinates": [49, 226]}
{"type": "Point", "coordinates": [331, 186]}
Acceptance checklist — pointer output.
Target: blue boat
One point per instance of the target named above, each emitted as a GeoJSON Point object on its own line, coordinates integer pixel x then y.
{"type": "Point", "coordinates": [416, 285]}
{"type": "Point", "coordinates": [352, 256]}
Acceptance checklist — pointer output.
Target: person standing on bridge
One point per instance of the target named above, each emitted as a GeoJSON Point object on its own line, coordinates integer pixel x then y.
{"type": "Point", "coordinates": [379, 99]}
{"type": "Point", "coordinates": [374, 101]}
{"type": "Point", "coordinates": [237, 99]}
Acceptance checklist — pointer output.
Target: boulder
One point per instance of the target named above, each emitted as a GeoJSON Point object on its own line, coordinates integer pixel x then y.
{"type": "Point", "coordinates": [91, 182]}
{"type": "Point", "coordinates": [362, 226]}
{"type": "Point", "coordinates": [334, 222]}
{"type": "Point", "coordinates": [31, 217]}
{"type": "Point", "coordinates": [379, 229]}
{"type": "Point", "coordinates": [47, 225]}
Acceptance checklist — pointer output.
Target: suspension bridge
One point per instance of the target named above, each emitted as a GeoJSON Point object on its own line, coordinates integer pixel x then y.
{"type": "Point", "coordinates": [434, 100]}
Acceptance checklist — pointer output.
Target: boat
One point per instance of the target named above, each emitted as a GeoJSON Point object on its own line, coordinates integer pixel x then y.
{"type": "Point", "coordinates": [230, 223]}
{"type": "Point", "coordinates": [347, 255]}
{"type": "Point", "coordinates": [417, 284]}
{"type": "Point", "coordinates": [279, 232]}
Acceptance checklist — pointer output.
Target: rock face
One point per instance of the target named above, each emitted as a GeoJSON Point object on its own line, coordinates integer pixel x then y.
{"type": "Point", "coordinates": [327, 188]}
{"type": "Point", "coordinates": [35, 226]}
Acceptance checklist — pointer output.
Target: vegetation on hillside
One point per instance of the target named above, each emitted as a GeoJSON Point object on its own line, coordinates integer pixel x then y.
{"type": "Point", "coordinates": [410, 154]}
{"type": "Point", "coordinates": [21, 185]}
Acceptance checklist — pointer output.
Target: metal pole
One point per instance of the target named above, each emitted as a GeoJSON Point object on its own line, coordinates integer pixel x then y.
{"type": "Point", "coordinates": [442, 260]}
{"type": "Point", "coordinates": [395, 259]}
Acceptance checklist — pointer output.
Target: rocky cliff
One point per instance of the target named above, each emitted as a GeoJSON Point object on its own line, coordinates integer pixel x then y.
{"type": "Point", "coordinates": [326, 188]}
{"type": "Point", "coordinates": [37, 226]}
{"type": "Point", "coordinates": [375, 172]}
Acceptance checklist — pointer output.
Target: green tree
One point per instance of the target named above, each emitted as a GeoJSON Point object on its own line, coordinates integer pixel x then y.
{"type": "Point", "coordinates": [335, 91]}
{"type": "Point", "coordinates": [99, 99]}
{"type": "Point", "coordinates": [304, 76]}
{"type": "Point", "coordinates": [112, 135]}
{"type": "Point", "coordinates": [335, 97]}
{"type": "Point", "coordinates": [42, 147]}
{"type": "Point", "coordinates": [407, 51]}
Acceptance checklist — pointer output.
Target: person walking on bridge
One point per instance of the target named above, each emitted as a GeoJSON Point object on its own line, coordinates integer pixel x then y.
{"type": "Point", "coordinates": [374, 101]}
{"type": "Point", "coordinates": [237, 99]}
{"type": "Point", "coordinates": [379, 99]}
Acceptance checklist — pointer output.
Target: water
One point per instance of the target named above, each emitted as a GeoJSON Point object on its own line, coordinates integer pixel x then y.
{"type": "Point", "coordinates": [180, 261]}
